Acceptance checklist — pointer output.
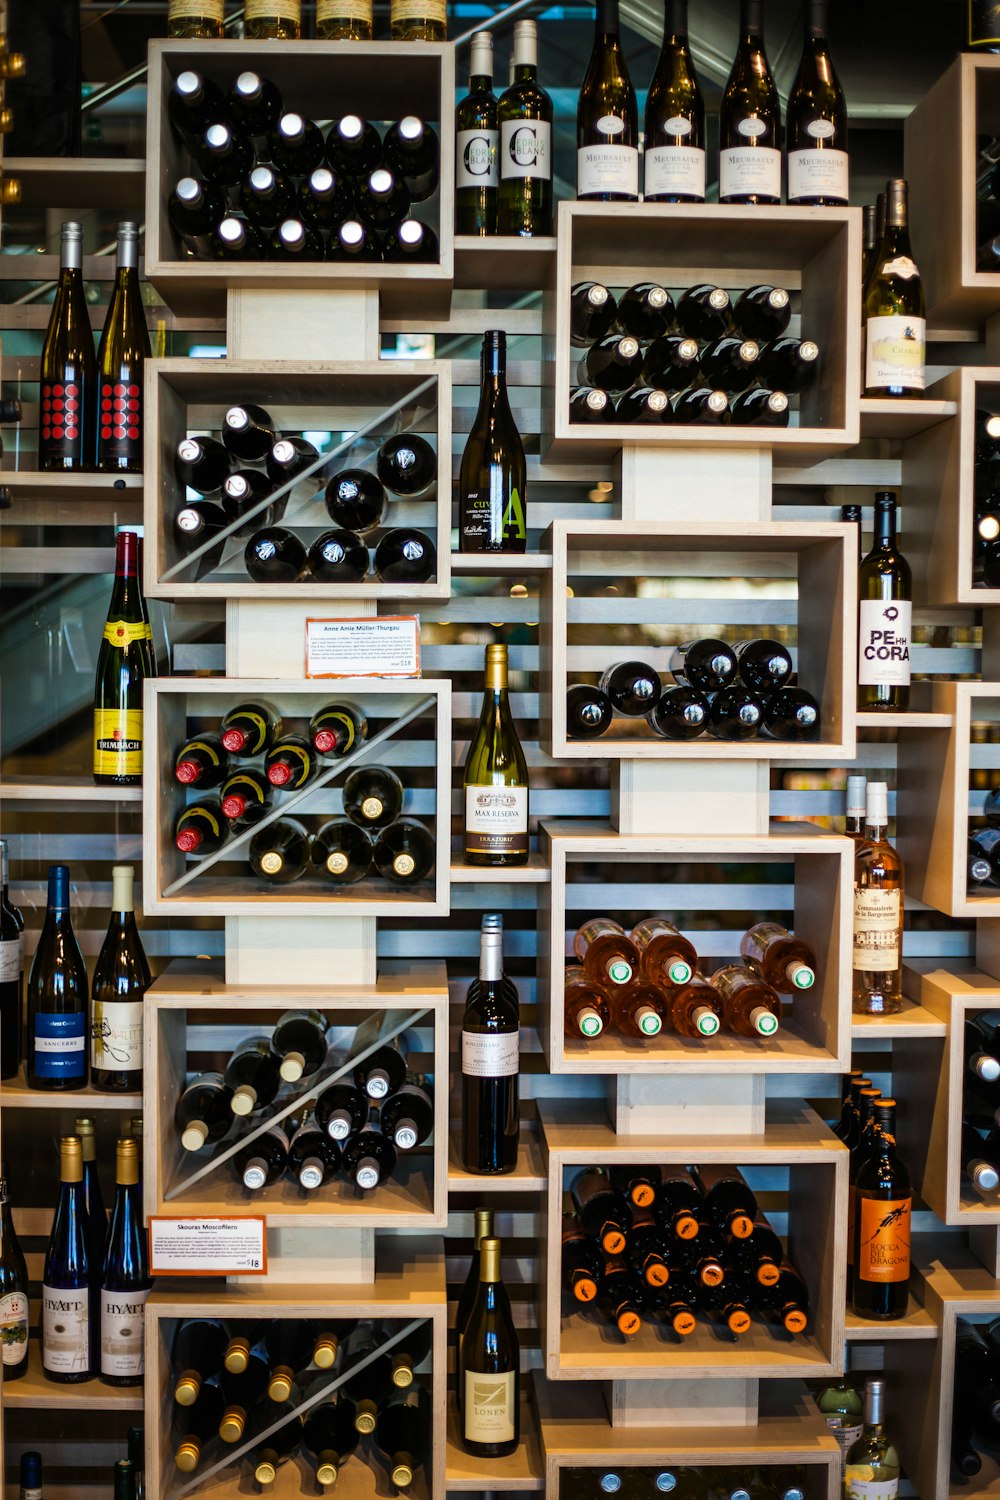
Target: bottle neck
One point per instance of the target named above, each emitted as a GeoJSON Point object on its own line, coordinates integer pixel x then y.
{"type": "Point", "coordinates": [490, 958]}
{"type": "Point", "coordinates": [127, 554]}
{"type": "Point", "coordinates": [608, 24]}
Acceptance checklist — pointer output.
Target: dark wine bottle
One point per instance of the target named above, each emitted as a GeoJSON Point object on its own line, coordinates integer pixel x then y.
{"type": "Point", "coordinates": [11, 975]}
{"type": "Point", "coordinates": [592, 312]}
{"type": "Point", "coordinates": [67, 374]}
{"type": "Point", "coordinates": [706, 665]}
{"type": "Point", "coordinates": [704, 311]}
{"type": "Point", "coordinates": [680, 713]}
{"type": "Point", "coordinates": [792, 714]}
{"type": "Point", "coordinates": [885, 592]}
{"type": "Point", "coordinates": [124, 662]}
{"type": "Point", "coordinates": [762, 312]}
{"type": "Point", "coordinates": [621, 1297]}
{"type": "Point", "coordinates": [69, 1279]}
{"type": "Point", "coordinates": [353, 147]}
{"type": "Point", "coordinates": [588, 404]}
{"type": "Point", "coordinates": [764, 665]}
{"type": "Point", "coordinates": [194, 208]}
{"type": "Point", "coordinates": [678, 1203]}
{"type": "Point", "coordinates": [492, 494]}
{"type": "Point", "coordinates": [404, 852]}
{"type": "Point", "coordinates": [202, 464]}
{"type": "Point", "coordinates": [406, 464]}
{"type": "Point", "coordinates": [702, 406]}
{"type": "Point", "coordinates": [355, 501]}
{"type": "Point", "coordinates": [313, 1157]}
{"type": "Point", "coordinates": [603, 1211]}
{"type": "Point", "coordinates": [329, 1438]}
{"type": "Point", "coordinates": [789, 364]}
{"type": "Point", "coordinates": [204, 1111]}
{"type": "Point", "coordinates": [234, 238]}
{"type": "Point", "coordinates": [351, 241]}
{"type": "Point", "coordinates": [338, 556]}
{"type": "Point", "coordinates": [750, 119]}
{"type": "Point", "coordinates": [341, 1110]}
{"type": "Point", "coordinates": [97, 1218]}
{"type": "Point", "coordinates": [613, 363]}
{"type": "Point", "coordinates": [295, 240]}
{"type": "Point", "coordinates": [265, 197]}
{"type": "Point", "coordinates": [125, 1279]}
{"type": "Point", "coordinates": [274, 555]}
{"type": "Point", "coordinates": [644, 406]}
{"type": "Point", "coordinates": [248, 433]}
{"type": "Point", "coordinates": [281, 1444]}
{"type": "Point", "coordinates": [249, 729]}
{"type": "Point", "coordinates": [818, 166]}
{"type": "Point", "coordinates": [490, 1064]}
{"type": "Point", "coordinates": [588, 712]}
{"type": "Point", "coordinates": [295, 145]}
{"type": "Point", "coordinates": [254, 104]}
{"type": "Point", "coordinates": [291, 762]}
{"type": "Point", "coordinates": [405, 555]}
{"type": "Point", "coordinates": [324, 198]}
{"type": "Point", "coordinates": [490, 1365]}
{"type": "Point", "coordinates": [193, 104]}
{"type": "Point", "coordinates": [299, 1040]}
{"type": "Point", "coordinates": [199, 829]}
{"type": "Point", "coordinates": [411, 240]}
{"type": "Point", "coordinates": [383, 1071]}
{"type": "Point", "coordinates": [369, 1158]}
{"type": "Point", "coordinates": [524, 114]}
{"type": "Point", "coordinates": [373, 796]}
{"type": "Point", "coordinates": [881, 1271]}
{"type": "Point", "coordinates": [402, 1435]}
{"type": "Point", "coordinates": [121, 354]}
{"type": "Point", "coordinates": [201, 761]}
{"type": "Point", "coordinates": [252, 1073]}
{"type": "Point", "coordinates": [734, 713]}
{"type": "Point", "coordinates": [245, 797]}
{"type": "Point", "coordinates": [730, 363]}
{"type": "Point", "coordinates": [674, 163]}
{"type": "Point", "coordinates": [342, 852]}
{"type": "Point", "coordinates": [645, 311]}
{"type": "Point", "coordinates": [260, 1163]}
{"type": "Point", "coordinates": [760, 407]}
{"type": "Point", "coordinates": [582, 1261]}
{"type": "Point", "coordinates": [279, 853]}
{"type": "Point", "coordinates": [336, 729]}
{"type": "Point", "coordinates": [632, 687]}
{"type": "Point", "coordinates": [381, 200]}
{"type": "Point", "coordinates": [121, 979]}
{"type": "Point", "coordinates": [728, 1202]}
{"type": "Point", "coordinates": [223, 157]}
{"type": "Point", "coordinates": [477, 145]}
{"type": "Point", "coordinates": [194, 1425]}
{"type": "Point", "coordinates": [607, 119]}
{"type": "Point", "coordinates": [412, 151]}
{"type": "Point", "coordinates": [57, 997]}
{"type": "Point", "coordinates": [244, 1389]}
{"type": "Point", "coordinates": [14, 1314]}
{"type": "Point", "coordinates": [407, 1118]}
{"type": "Point", "coordinates": [671, 363]}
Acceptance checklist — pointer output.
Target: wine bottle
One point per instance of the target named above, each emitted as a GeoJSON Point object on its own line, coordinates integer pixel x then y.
{"type": "Point", "coordinates": [735, 713]}
{"type": "Point", "coordinates": [678, 1203]}
{"type": "Point", "coordinates": [418, 20]}
{"type": "Point", "coordinates": [338, 556]}
{"type": "Point", "coordinates": [791, 714]}
{"type": "Point", "coordinates": [675, 118]}
{"type": "Point", "coordinates": [490, 1065]}
{"type": "Point", "coordinates": [411, 150]}
{"type": "Point", "coordinates": [195, 1424]}
{"type": "Point", "coordinates": [783, 961]}
{"type": "Point", "coordinates": [373, 796]}
{"type": "Point", "coordinates": [603, 1211]}
{"type": "Point", "coordinates": [193, 104]}
{"type": "Point", "coordinates": [198, 1350]}
{"type": "Point", "coordinates": [11, 975]}
{"type": "Point", "coordinates": [592, 313]}
{"type": "Point", "coordinates": [381, 201]}
{"type": "Point", "coordinates": [57, 997]}
{"type": "Point", "coordinates": [248, 433]}
{"type": "Point", "coordinates": [704, 311]}
{"type": "Point", "coordinates": [67, 374]}
{"type": "Point", "coordinates": [613, 363]}
{"type": "Point", "coordinates": [759, 1255]}
{"type": "Point", "coordinates": [341, 851]}
{"type": "Point", "coordinates": [789, 364]}
{"type": "Point", "coordinates": [249, 729]}
{"type": "Point", "coordinates": [621, 1296]}
{"type": "Point", "coordinates": [343, 21]}
{"type": "Point", "coordinates": [680, 713]}
{"type": "Point", "coordinates": [607, 120]}
{"type": "Point", "coordinates": [639, 1185]}
{"type": "Point", "coordinates": [299, 1039]}
{"type": "Point", "coordinates": [586, 1011]}
{"type": "Point", "coordinates": [670, 363]}
{"type": "Point", "coordinates": [14, 1317]}
{"type": "Point", "coordinates": [369, 1158]}
{"type": "Point", "coordinates": [123, 348]}
{"type": "Point", "coordinates": [324, 198]}
{"type": "Point", "coordinates": [978, 1162]}
{"type": "Point", "coordinates": [407, 1117]}
{"type": "Point", "coordinates": [760, 407]}
{"type": "Point", "coordinates": [707, 665]}
{"type": "Point", "coordinates": [477, 144]}
{"type": "Point", "coordinates": [492, 494]}
{"type": "Point", "coordinates": [764, 665]}
{"type": "Point", "coordinates": [223, 156]}
{"type": "Point", "coordinates": [124, 662]}
{"type": "Point", "coordinates": [588, 712]}
{"type": "Point", "coordinates": [406, 464]}
{"type": "Point", "coordinates": [234, 238]}
{"type": "Point", "coordinates": [201, 762]}
{"type": "Point", "coordinates": [125, 1279]}
{"type": "Point", "coordinates": [296, 145]}
{"type": "Point", "coordinates": [750, 1007]}
{"type": "Point", "coordinates": [818, 166]}
{"type": "Point", "coordinates": [121, 979]}
{"type": "Point", "coordinates": [871, 1466]}
{"type": "Point", "coordinates": [860, 1145]}
{"type": "Point", "coordinates": [291, 762]}
{"type": "Point", "coordinates": [404, 852]}
{"type": "Point", "coordinates": [762, 312]}
{"type": "Point", "coordinates": [294, 240]}
{"type": "Point", "coordinates": [490, 1365]}
{"type": "Point", "coordinates": [351, 241]}
{"type": "Point", "coordinates": [483, 1230]}
{"type": "Point", "coordinates": [274, 555]}
{"type": "Point", "coordinates": [353, 147]}
{"type": "Point", "coordinates": [405, 555]}
{"type": "Point", "coordinates": [241, 1392]}
{"type": "Point", "coordinates": [341, 1110]}
{"type": "Point", "coordinates": [280, 1445]}
{"type": "Point", "coordinates": [730, 363]}
{"type": "Point", "coordinates": [355, 501]}
{"type": "Point", "coordinates": [202, 20]}
{"type": "Point", "coordinates": [254, 104]}
{"type": "Point", "coordinates": [194, 208]}
{"type": "Point", "coordinates": [675, 1305]}
{"type": "Point", "coordinates": [204, 1111]}
{"type": "Point", "coordinates": [524, 114]}
{"type": "Point", "coordinates": [631, 687]}
{"type": "Point", "coordinates": [199, 829]}
{"type": "Point", "coordinates": [202, 464]}
{"type": "Point", "coordinates": [665, 956]}
{"type": "Point", "coordinates": [894, 309]}
{"type": "Point", "coordinates": [495, 778]}
{"type": "Point", "coordinates": [728, 1202]}
{"type": "Point", "coordinates": [588, 404]}
{"type": "Point", "coordinates": [260, 1163]}
{"type": "Point", "coordinates": [609, 957]}
{"type": "Point", "coordinates": [69, 1279]}
{"type": "Point", "coordinates": [881, 1271]}
{"type": "Point", "coordinates": [245, 797]}
{"type": "Point", "coordinates": [750, 119]}
{"type": "Point", "coordinates": [313, 1157]}
{"type": "Point", "coordinates": [411, 240]}
{"type": "Point", "coordinates": [637, 1011]}
{"type": "Point", "coordinates": [328, 1433]}
{"type": "Point", "coordinates": [253, 1074]}
{"type": "Point", "coordinates": [785, 1301]}
{"type": "Point", "coordinates": [885, 591]}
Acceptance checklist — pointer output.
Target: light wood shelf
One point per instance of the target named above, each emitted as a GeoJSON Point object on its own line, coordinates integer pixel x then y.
{"type": "Point", "coordinates": [917, 1324]}
{"type": "Point", "coordinates": [888, 418]}
{"type": "Point", "coordinates": [15, 1094]}
{"type": "Point", "coordinates": [485, 564]}
{"type": "Point", "coordinates": [73, 789]}
{"type": "Point", "coordinates": [535, 872]}
{"type": "Point", "coordinates": [523, 1470]}
{"type": "Point", "coordinates": [529, 1176]}
{"type": "Point", "coordinates": [34, 1392]}
{"type": "Point", "coordinates": [505, 262]}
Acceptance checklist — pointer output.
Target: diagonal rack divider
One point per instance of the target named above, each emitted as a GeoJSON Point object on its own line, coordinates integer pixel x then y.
{"type": "Point", "coordinates": [322, 780]}
{"type": "Point", "coordinates": [320, 463]}
{"type": "Point", "coordinates": [386, 1034]}
{"type": "Point", "coordinates": [228, 1459]}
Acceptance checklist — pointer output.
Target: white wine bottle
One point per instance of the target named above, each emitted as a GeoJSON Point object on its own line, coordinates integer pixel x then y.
{"type": "Point", "coordinates": [496, 777]}
{"type": "Point", "coordinates": [674, 161]}
{"type": "Point", "coordinates": [477, 140]}
{"type": "Point", "coordinates": [490, 1365]}
{"type": "Point", "coordinates": [524, 114]}
{"type": "Point", "coordinates": [894, 308]}
{"type": "Point", "coordinates": [750, 119]}
{"type": "Point", "coordinates": [817, 121]}
{"type": "Point", "coordinates": [607, 119]}
{"type": "Point", "coordinates": [871, 1471]}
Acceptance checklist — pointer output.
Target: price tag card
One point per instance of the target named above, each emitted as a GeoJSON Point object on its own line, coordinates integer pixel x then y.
{"type": "Point", "coordinates": [383, 646]}
{"type": "Point", "coordinates": [208, 1247]}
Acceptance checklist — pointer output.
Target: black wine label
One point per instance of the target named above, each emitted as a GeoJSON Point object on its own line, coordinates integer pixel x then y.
{"type": "Point", "coordinates": [61, 420]}
{"type": "Point", "coordinates": [120, 426]}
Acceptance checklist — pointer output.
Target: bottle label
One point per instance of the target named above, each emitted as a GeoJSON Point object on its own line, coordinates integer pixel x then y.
{"type": "Point", "coordinates": [116, 1035]}
{"type": "Point", "coordinates": [488, 1411]}
{"type": "Point", "coordinates": [476, 158]}
{"type": "Point", "coordinates": [860, 1484]}
{"type": "Point", "coordinates": [675, 169]}
{"type": "Point", "coordinates": [877, 922]}
{"type": "Point", "coordinates": [496, 819]}
{"type": "Point", "coordinates": [65, 1329]}
{"type": "Point", "coordinates": [845, 1435]}
{"type": "Point", "coordinates": [60, 1045]}
{"type": "Point", "coordinates": [895, 352]}
{"type": "Point", "coordinates": [121, 1332]}
{"type": "Point", "coordinates": [117, 741]}
{"type": "Point", "coordinates": [884, 642]}
{"type": "Point", "coordinates": [404, 864]}
{"type": "Point", "coordinates": [884, 1248]}
{"type": "Point", "coordinates": [607, 168]}
{"type": "Point", "coordinates": [525, 149]}
{"type": "Point", "coordinates": [61, 418]}
{"type": "Point", "coordinates": [120, 426]}
{"type": "Point", "coordinates": [122, 633]}
{"type": "Point", "coordinates": [272, 10]}
{"type": "Point", "coordinates": [818, 172]}
{"type": "Point", "coordinates": [14, 1328]}
{"type": "Point", "coordinates": [210, 10]}
{"type": "Point", "coordinates": [343, 10]}
{"type": "Point", "coordinates": [10, 960]}
{"type": "Point", "coordinates": [490, 1054]}
{"type": "Point", "coordinates": [435, 11]}
{"type": "Point", "coordinates": [750, 169]}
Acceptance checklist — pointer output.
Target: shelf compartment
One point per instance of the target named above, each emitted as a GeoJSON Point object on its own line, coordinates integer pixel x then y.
{"type": "Point", "coordinates": [198, 1019]}
{"type": "Point", "coordinates": [413, 738]}
{"type": "Point", "coordinates": [346, 400]}
{"type": "Point", "coordinates": [522, 1471]}
{"type": "Point", "coordinates": [808, 885]}
{"type": "Point", "coordinates": [34, 1393]}
{"type": "Point", "coordinates": [809, 1165]}
{"type": "Point", "coordinates": [815, 253]}
{"type": "Point", "coordinates": [377, 80]}
{"type": "Point", "coordinates": [15, 1094]}
{"type": "Point", "coordinates": [813, 569]}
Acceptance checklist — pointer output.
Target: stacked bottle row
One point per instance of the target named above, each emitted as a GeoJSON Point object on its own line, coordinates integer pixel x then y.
{"type": "Point", "coordinates": [879, 1204]}
{"type": "Point", "coordinates": [976, 1414]}
{"type": "Point", "coordinates": [672, 1242]}
{"type": "Point", "coordinates": [986, 501]}
{"type": "Point", "coordinates": [232, 1382]}
{"type": "Point", "coordinates": [730, 692]}
{"type": "Point", "coordinates": [980, 1150]}
{"type": "Point", "coordinates": [777, 1483]}
{"type": "Point", "coordinates": [335, 20]}
{"type": "Point", "coordinates": [639, 983]}
{"type": "Point", "coordinates": [267, 183]}
{"type": "Point", "coordinates": [708, 358]}
{"type": "Point", "coordinates": [232, 478]}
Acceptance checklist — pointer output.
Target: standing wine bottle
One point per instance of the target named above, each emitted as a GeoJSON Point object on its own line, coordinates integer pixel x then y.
{"type": "Point", "coordinates": [418, 20]}
{"type": "Point", "coordinates": [895, 309]}
{"type": "Point", "coordinates": [93, 1197]}
{"type": "Point", "coordinates": [70, 1279]}
{"type": "Point", "coordinates": [524, 113]}
{"type": "Point", "coordinates": [816, 147]}
{"type": "Point", "coordinates": [57, 997]}
{"type": "Point", "coordinates": [278, 20]}
{"type": "Point", "coordinates": [124, 662]}
{"type": "Point", "coordinates": [881, 1271]}
{"type": "Point", "coordinates": [201, 19]}
{"type": "Point", "coordinates": [11, 975]}
{"type": "Point", "coordinates": [490, 1064]}
{"type": "Point", "coordinates": [871, 1464]}
{"type": "Point", "coordinates": [750, 119]}
{"type": "Point", "coordinates": [483, 1230]}
{"type": "Point", "coordinates": [125, 1280]}
{"type": "Point", "coordinates": [490, 1371]}
{"type": "Point", "coordinates": [878, 913]}
{"type": "Point", "coordinates": [492, 495]}
{"type": "Point", "coordinates": [344, 21]}
{"type": "Point", "coordinates": [675, 118]}
{"type": "Point", "coordinates": [123, 349]}
{"type": "Point", "coordinates": [477, 144]}
{"type": "Point", "coordinates": [607, 119]}
{"type": "Point", "coordinates": [121, 979]}
{"type": "Point", "coordinates": [885, 592]}
{"type": "Point", "coordinates": [495, 779]}
{"type": "Point", "coordinates": [13, 1296]}
{"type": "Point", "coordinates": [67, 395]}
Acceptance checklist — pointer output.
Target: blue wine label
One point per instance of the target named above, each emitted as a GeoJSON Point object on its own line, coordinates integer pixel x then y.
{"type": "Point", "coordinates": [60, 1045]}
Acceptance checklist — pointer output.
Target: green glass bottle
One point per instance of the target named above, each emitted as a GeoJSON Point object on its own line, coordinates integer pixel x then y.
{"type": "Point", "coordinates": [607, 119]}
{"type": "Point", "coordinates": [496, 777]}
{"type": "Point", "coordinates": [872, 1469]}
{"type": "Point", "coordinates": [123, 349]}
{"type": "Point", "coordinates": [477, 143]}
{"type": "Point", "coordinates": [525, 118]}
{"type": "Point", "coordinates": [674, 161]}
{"type": "Point", "coordinates": [885, 593]}
{"type": "Point", "coordinates": [492, 499]}
{"type": "Point", "coordinates": [124, 662]}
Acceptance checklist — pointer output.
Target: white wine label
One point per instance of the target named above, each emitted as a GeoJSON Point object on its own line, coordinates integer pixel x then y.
{"type": "Point", "coordinates": [116, 1035]}
{"type": "Point", "coordinates": [208, 1247]}
{"type": "Point", "coordinates": [10, 960]}
{"type": "Point", "coordinates": [845, 1435]}
{"type": "Point", "coordinates": [434, 11]}
{"type": "Point", "coordinates": [272, 10]}
{"type": "Point", "coordinates": [209, 10]}
{"type": "Point", "coordinates": [607, 169]}
{"type": "Point", "coordinates": [476, 153]}
{"type": "Point", "coordinates": [14, 1328]}
{"type": "Point", "coordinates": [121, 1332]}
{"type": "Point", "coordinates": [675, 169]}
{"type": "Point", "coordinates": [878, 920]}
{"type": "Point", "coordinates": [490, 1407]}
{"type": "Point", "coordinates": [895, 352]}
{"type": "Point", "coordinates": [490, 1054]}
{"type": "Point", "coordinates": [496, 819]}
{"type": "Point", "coordinates": [343, 10]}
{"type": "Point", "coordinates": [65, 1330]}
{"type": "Point", "coordinates": [860, 1484]}
{"type": "Point", "coordinates": [902, 266]}
{"type": "Point", "coordinates": [750, 169]}
{"type": "Point", "coordinates": [818, 173]}
{"type": "Point", "coordinates": [884, 642]}
{"type": "Point", "coordinates": [60, 1045]}
{"type": "Point", "coordinates": [525, 149]}
{"type": "Point", "coordinates": [117, 741]}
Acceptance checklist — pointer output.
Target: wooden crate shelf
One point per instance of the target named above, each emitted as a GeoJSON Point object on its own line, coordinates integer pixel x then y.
{"type": "Point", "coordinates": [377, 80]}
{"type": "Point", "coordinates": [85, 182]}
{"type": "Point", "coordinates": [34, 1392]}
{"type": "Point", "coordinates": [521, 1471]}
{"type": "Point", "coordinates": [190, 1005]}
{"type": "Point", "coordinates": [581, 1347]}
{"type": "Point", "coordinates": [505, 262]}
{"type": "Point", "coordinates": [812, 252]}
{"type": "Point", "coordinates": [529, 1176]}
{"type": "Point", "coordinates": [597, 871]}
{"type": "Point", "coordinates": [228, 887]}
{"type": "Point", "coordinates": [187, 396]}
{"type": "Point", "coordinates": [815, 565]}
{"type": "Point", "coordinates": [889, 418]}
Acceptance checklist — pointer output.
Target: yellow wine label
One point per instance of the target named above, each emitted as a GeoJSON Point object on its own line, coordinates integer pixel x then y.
{"type": "Point", "coordinates": [337, 863]}
{"type": "Point", "coordinates": [328, 11]}
{"type": "Point", "coordinates": [404, 864]}
{"type": "Point", "coordinates": [273, 10]}
{"type": "Point", "coordinates": [117, 741]}
{"type": "Point", "coordinates": [895, 352]}
{"type": "Point", "coordinates": [435, 11]}
{"type": "Point", "coordinates": [122, 633]}
{"type": "Point", "coordinates": [513, 518]}
{"type": "Point", "coordinates": [208, 10]}
{"type": "Point", "coordinates": [490, 1405]}
{"type": "Point", "coordinates": [271, 862]}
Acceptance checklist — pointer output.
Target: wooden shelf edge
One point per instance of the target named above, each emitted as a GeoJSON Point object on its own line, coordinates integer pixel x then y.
{"type": "Point", "coordinates": [535, 872]}
{"type": "Point", "coordinates": [72, 789]}
{"type": "Point", "coordinates": [529, 1176]}
{"type": "Point", "coordinates": [15, 1094]}
{"type": "Point", "coordinates": [34, 1392]}
{"type": "Point", "coordinates": [523, 1470]}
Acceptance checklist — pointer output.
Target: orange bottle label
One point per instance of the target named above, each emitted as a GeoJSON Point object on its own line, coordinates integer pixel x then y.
{"type": "Point", "coordinates": [884, 1249]}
